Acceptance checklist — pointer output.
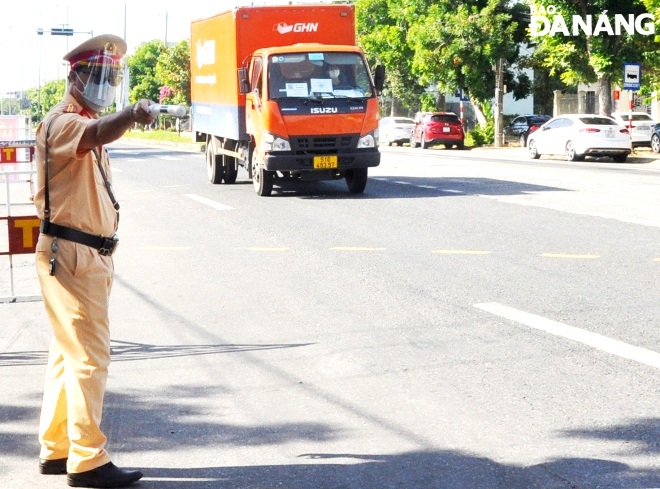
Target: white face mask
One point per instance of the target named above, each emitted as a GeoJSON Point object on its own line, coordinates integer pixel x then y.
{"type": "Point", "coordinates": [98, 96]}
{"type": "Point", "coordinates": [334, 73]}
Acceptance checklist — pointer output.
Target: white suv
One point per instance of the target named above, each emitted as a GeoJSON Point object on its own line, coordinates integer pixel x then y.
{"type": "Point", "coordinates": [642, 126]}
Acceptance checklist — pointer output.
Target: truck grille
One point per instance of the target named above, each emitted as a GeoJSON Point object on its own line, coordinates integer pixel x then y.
{"type": "Point", "coordinates": [323, 144]}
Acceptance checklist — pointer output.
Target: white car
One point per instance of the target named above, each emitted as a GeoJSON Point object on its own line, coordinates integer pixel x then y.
{"type": "Point", "coordinates": [580, 135]}
{"type": "Point", "coordinates": [395, 130]}
{"type": "Point", "coordinates": [642, 126]}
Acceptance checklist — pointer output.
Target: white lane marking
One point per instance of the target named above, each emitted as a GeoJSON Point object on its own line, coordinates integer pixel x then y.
{"type": "Point", "coordinates": [401, 182]}
{"type": "Point", "coordinates": [452, 191]}
{"type": "Point", "coordinates": [209, 202]}
{"type": "Point", "coordinates": [569, 256]}
{"type": "Point", "coordinates": [355, 248]}
{"type": "Point", "coordinates": [462, 252]}
{"type": "Point", "coordinates": [264, 248]}
{"type": "Point", "coordinates": [595, 340]}
{"type": "Point", "coordinates": [166, 248]}
{"type": "Point", "coordinates": [427, 186]}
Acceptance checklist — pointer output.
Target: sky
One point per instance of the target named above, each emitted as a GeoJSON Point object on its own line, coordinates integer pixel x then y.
{"type": "Point", "coordinates": [26, 57]}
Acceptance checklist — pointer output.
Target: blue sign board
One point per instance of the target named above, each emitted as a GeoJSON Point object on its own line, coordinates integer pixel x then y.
{"type": "Point", "coordinates": [632, 76]}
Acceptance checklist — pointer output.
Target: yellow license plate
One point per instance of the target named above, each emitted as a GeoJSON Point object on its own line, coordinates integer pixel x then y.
{"type": "Point", "coordinates": [325, 162]}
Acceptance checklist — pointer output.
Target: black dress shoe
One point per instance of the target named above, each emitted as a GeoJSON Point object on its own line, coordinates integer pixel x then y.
{"type": "Point", "coordinates": [52, 467]}
{"type": "Point", "coordinates": [107, 475]}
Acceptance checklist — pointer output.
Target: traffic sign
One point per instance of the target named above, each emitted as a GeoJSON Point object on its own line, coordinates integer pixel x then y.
{"type": "Point", "coordinates": [632, 76]}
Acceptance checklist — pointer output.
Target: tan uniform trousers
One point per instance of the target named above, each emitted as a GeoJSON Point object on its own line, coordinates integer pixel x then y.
{"type": "Point", "coordinates": [76, 300]}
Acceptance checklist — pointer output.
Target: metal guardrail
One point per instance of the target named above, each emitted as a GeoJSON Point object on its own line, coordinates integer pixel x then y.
{"type": "Point", "coordinates": [22, 230]}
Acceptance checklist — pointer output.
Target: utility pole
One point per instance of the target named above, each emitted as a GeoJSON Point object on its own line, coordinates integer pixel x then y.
{"type": "Point", "coordinates": [499, 98]}
{"type": "Point", "coordinates": [165, 30]}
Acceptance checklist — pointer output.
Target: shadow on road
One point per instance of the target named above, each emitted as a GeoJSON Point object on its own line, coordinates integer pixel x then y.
{"type": "Point", "coordinates": [123, 351]}
{"type": "Point", "coordinates": [168, 421]}
{"type": "Point", "coordinates": [444, 469]}
{"type": "Point", "coordinates": [406, 187]}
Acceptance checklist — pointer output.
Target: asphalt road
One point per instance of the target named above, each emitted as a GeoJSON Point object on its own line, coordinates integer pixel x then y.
{"type": "Point", "coordinates": [474, 320]}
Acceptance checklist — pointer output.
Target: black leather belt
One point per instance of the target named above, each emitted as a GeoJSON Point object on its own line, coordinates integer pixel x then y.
{"type": "Point", "coordinates": [106, 246]}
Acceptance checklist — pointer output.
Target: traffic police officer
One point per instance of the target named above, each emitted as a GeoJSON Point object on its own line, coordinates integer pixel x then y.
{"type": "Point", "coordinates": [79, 213]}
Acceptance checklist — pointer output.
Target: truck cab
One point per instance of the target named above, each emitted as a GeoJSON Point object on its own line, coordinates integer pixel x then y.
{"type": "Point", "coordinates": [311, 113]}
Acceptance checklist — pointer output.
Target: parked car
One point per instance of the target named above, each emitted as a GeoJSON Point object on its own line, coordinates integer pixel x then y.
{"type": "Point", "coordinates": [655, 138]}
{"type": "Point", "coordinates": [642, 126]}
{"type": "Point", "coordinates": [434, 128]}
{"type": "Point", "coordinates": [395, 130]}
{"type": "Point", "coordinates": [580, 135]}
{"type": "Point", "coordinates": [520, 127]}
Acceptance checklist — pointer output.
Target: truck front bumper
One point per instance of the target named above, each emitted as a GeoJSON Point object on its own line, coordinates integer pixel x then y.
{"type": "Point", "coordinates": [291, 161]}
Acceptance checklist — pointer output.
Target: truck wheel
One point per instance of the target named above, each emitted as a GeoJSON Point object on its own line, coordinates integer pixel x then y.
{"type": "Point", "coordinates": [213, 165]}
{"type": "Point", "coordinates": [356, 180]}
{"type": "Point", "coordinates": [261, 179]}
{"type": "Point", "coordinates": [231, 172]}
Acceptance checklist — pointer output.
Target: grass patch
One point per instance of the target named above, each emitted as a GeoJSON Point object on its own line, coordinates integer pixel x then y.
{"type": "Point", "coordinates": [159, 135]}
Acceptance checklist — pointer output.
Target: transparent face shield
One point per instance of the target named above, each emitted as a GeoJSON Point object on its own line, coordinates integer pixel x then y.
{"type": "Point", "coordinates": [99, 75]}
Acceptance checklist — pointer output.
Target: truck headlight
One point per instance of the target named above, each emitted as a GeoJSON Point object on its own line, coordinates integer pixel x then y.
{"type": "Point", "coordinates": [368, 141]}
{"type": "Point", "coordinates": [271, 142]}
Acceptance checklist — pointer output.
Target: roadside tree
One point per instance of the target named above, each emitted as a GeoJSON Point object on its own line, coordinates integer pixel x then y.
{"type": "Point", "coordinates": [437, 43]}
{"type": "Point", "coordinates": [382, 31]}
{"type": "Point", "coordinates": [173, 71]}
{"type": "Point", "coordinates": [597, 58]}
{"type": "Point", "coordinates": [143, 80]}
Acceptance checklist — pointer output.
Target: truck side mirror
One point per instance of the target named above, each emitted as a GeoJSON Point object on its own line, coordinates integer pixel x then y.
{"type": "Point", "coordinates": [243, 82]}
{"type": "Point", "coordinates": [379, 78]}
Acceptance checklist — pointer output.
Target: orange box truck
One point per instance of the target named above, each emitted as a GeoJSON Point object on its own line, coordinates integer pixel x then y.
{"type": "Point", "coordinates": [284, 92]}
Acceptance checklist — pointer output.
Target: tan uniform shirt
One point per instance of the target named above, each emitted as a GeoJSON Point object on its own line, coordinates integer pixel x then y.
{"type": "Point", "coordinates": [78, 196]}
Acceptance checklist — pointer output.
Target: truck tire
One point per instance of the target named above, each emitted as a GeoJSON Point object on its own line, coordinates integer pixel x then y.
{"type": "Point", "coordinates": [356, 180]}
{"type": "Point", "coordinates": [214, 168]}
{"type": "Point", "coordinates": [231, 172]}
{"type": "Point", "coordinates": [261, 179]}
{"type": "Point", "coordinates": [229, 162]}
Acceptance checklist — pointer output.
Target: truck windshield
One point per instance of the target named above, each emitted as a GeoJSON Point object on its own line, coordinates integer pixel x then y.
{"type": "Point", "coordinates": [318, 75]}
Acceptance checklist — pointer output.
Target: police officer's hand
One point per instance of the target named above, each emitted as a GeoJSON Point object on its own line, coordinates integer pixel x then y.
{"type": "Point", "coordinates": [140, 112]}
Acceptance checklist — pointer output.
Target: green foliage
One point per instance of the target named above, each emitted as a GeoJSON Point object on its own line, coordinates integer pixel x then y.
{"type": "Point", "coordinates": [154, 66]}
{"type": "Point", "coordinates": [439, 44]}
{"type": "Point", "coordinates": [158, 135]}
{"type": "Point", "coordinates": [587, 59]}
{"type": "Point", "coordinates": [382, 31]}
{"type": "Point", "coordinates": [427, 102]}
{"type": "Point", "coordinates": [142, 64]}
{"type": "Point", "coordinates": [51, 94]}
{"type": "Point", "coordinates": [173, 71]}
{"type": "Point", "coordinates": [485, 134]}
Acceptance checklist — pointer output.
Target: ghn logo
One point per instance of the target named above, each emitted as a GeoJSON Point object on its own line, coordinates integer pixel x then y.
{"type": "Point", "coordinates": [547, 21]}
{"type": "Point", "coordinates": [205, 53]}
{"type": "Point", "coordinates": [284, 28]}
{"type": "Point", "coordinates": [323, 110]}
